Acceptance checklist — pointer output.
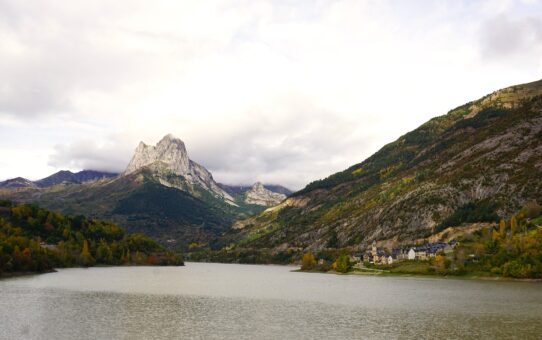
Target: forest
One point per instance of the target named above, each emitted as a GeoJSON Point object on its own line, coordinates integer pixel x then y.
{"type": "Point", "coordinates": [33, 239]}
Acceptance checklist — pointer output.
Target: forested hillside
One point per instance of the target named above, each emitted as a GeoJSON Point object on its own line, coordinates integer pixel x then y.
{"type": "Point", "coordinates": [33, 239]}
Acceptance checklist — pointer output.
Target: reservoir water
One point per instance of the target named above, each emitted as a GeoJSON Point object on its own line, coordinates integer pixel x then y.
{"type": "Point", "coordinates": [228, 301]}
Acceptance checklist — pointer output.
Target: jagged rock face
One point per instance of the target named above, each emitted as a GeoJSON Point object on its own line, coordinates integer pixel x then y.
{"type": "Point", "coordinates": [170, 151]}
{"type": "Point", "coordinates": [261, 196]}
{"type": "Point", "coordinates": [169, 157]}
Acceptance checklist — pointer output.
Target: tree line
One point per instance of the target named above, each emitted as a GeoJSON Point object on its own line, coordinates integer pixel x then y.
{"type": "Point", "coordinates": [33, 239]}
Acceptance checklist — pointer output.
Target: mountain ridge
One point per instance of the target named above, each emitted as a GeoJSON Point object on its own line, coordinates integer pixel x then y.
{"type": "Point", "coordinates": [487, 153]}
{"type": "Point", "coordinates": [62, 176]}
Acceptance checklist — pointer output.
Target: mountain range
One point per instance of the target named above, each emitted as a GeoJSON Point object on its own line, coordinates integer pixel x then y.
{"type": "Point", "coordinates": [479, 162]}
{"type": "Point", "coordinates": [162, 193]}
{"type": "Point", "coordinates": [63, 176]}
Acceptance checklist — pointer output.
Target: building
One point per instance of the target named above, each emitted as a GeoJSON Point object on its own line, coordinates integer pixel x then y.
{"type": "Point", "coordinates": [399, 254]}
{"type": "Point", "coordinates": [411, 254]}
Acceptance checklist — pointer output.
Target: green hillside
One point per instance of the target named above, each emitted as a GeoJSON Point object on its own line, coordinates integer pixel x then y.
{"type": "Point", "coordinates": [33, 239]}
{"type": "Point", "coordinates": [176, 214]}
{"type": "Point", "coordinates": [480, 162]}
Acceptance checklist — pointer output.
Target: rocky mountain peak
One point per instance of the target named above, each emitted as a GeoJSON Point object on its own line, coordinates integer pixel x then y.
{"type": "Point", "coordinates": [258, 186]}
{"type": "Point", "coordinates": [170, 151]}
{"type": "Point", "coordinates": [169, 156]}
{"type": "Point", "coordinates": [259, 195]}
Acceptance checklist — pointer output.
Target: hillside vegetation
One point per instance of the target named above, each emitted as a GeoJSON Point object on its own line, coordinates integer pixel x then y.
{"type": "Point", "coordinates": [33, 239]}
{"type": "Point", "coordinates": [480, 162]}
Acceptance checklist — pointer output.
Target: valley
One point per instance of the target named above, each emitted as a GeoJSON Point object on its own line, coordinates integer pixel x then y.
{"type": "Point", "coordinates": [474, 166]}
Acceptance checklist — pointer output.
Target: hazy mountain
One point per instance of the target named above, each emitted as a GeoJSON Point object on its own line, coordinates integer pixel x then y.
{"type": "Point", "coordinates": [63, 176]}
{"type": "Point", "coordinates": [241, 193]}
{"type": "Point", "coordinates": [261, 196]}
{"type": "Point", "coordinates": [17, 182]}
{"type": "Point", "coordinates": [77, 177]}
{"type": "Point", "coordinates": [480, 161]}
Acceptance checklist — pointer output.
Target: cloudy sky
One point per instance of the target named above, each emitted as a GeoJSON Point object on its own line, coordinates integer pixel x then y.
{"type": "Point", "coordinates": [277, 91]}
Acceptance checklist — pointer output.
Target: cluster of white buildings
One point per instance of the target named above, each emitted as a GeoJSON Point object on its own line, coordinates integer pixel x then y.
{"type": "Point", "coordinates": [381, 256]}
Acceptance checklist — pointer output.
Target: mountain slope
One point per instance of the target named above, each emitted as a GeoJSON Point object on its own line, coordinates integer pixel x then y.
{"type": "Point", "coordinates": [241, 189]}
{"type": "Point", "coordinates": [487, 153]}
{"type": "Point", "coordinates": [257, 194]}
{"type": "Point", "coordinates": [261, 196]}
{"type": "Point", "coordinates": [68, 176]}
{"type": "Point", "coordinates": [63, 176]}
{"type": "Point", "coordinates": [17, 182]}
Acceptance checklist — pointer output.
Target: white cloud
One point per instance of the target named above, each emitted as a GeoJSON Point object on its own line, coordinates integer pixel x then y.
{"type": "Point", "coordinates": [259, 90]}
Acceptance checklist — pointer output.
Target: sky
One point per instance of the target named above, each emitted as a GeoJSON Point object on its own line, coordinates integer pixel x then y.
{"type": "Point", "coordinates": [282, 92]}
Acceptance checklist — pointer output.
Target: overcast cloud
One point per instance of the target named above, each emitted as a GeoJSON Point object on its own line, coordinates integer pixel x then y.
{"type": "Point", "coordinates": [275, 91]}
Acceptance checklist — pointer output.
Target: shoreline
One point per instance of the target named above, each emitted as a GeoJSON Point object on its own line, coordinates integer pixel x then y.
{"type": "Point", "coordinates": [444, 277]}
{"type": "Point", "coordinates": [375, 273]}
{"type": "Point", "coordinates": [11, 275]}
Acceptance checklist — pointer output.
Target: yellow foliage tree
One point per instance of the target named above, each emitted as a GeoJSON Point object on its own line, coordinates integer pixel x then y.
{"type": "Point", "coordinates": [502, 228]}
{"type": "Point", "coordinates": [495, 235]}
{"type": "Point", "coordinates": [308, 262]}
{"type": "Point", "coordinates": [86, 258]}
{"type": "Point", "coordinates": [513, 225]}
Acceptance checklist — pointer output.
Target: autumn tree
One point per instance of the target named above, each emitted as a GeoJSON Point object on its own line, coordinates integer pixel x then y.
{"type": "Point", "coordinates": [502, 228]}
{"type": "Point", "coordinates": [513, 225]}
{"type": "Point", "coordinates": [104, 253]}
{"type": "Point", "coordinates": [86, 257]}
{"type": "Point", "coordinates": [308, 261]}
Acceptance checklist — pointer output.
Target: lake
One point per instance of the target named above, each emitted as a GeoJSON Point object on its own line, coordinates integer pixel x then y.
{"type": "Point", "coordinates": [229, 301]}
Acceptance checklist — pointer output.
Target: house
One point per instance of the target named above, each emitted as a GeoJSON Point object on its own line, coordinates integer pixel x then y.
{"type": "Point", "coordinates": [399, 254]}
{"type": "Point", "coordinates": [381, 256]}
{"type": "Point", "coordinates": [411, 254]}
{"type": "Point", "coordinates": [368, 257]}
{"type": "Point", "coordinates": [356, 257]}
{"type": "Point", "coordinates": [435, 248]}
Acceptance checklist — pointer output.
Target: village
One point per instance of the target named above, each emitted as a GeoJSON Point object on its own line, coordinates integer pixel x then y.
{"type": "Point", "coordinates": [382, 256]}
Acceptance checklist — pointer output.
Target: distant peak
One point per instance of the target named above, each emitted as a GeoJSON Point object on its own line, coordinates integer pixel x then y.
{"type": "Point", "coordinates": [170, 138]}
{"type": "Point", "coordinates": [169, 151]}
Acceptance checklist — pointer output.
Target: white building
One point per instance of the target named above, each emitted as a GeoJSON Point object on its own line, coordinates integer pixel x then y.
{"type": "Point", "coordinates": [411, 254]}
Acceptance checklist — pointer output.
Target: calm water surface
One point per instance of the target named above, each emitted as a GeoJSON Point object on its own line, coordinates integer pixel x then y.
{"type": "Point", "coordinates": [223, 301]}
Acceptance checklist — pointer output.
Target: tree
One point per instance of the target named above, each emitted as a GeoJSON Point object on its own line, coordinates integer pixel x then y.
{"type": "Point", "coordinates": [308, 262]}
{"type": "Point", "coordinates": [103, 252]}
{"type": "Point", "coordinates": [86, 258]}
{"type": "Point", "coordinates": [333, 241]}
{"type": "Point", "coordinates": [513, 225]}
{"type": "Point", "coordinates": [495, 235]}
{"type": "Point", "coordinates": [343, 264]}
{"type": "Point", "coordinates": [502, 228]}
